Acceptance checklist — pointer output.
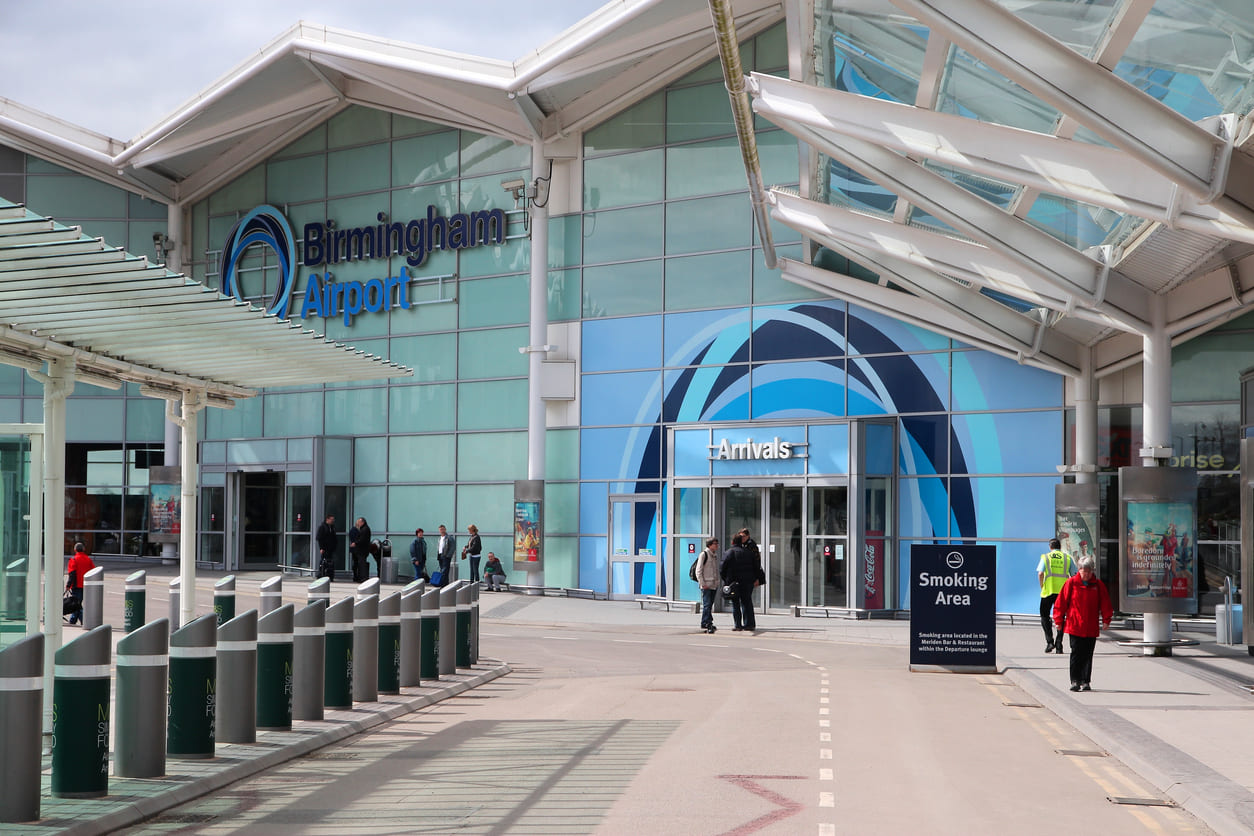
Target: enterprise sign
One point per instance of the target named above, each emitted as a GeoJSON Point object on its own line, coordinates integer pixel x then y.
{"type": "Point", "coordinates": [327, 244]}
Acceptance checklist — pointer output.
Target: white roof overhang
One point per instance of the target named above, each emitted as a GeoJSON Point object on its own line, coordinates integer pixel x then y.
{"type": "Point", "coordinates": [64, 295]}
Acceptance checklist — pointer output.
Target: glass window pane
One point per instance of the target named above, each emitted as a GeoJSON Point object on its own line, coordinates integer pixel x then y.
{"type": "Point", "coordinates": [612, 344]}
{"type": "Point", "coordinates": [639, 126]}
{"type": "Point", "coordinates": [492, 456]}
{"type": "Point", "coordinates": [242, 194]}
{"type": "Point", "coordinates": [293, 414]}
{"type": "Point", "coordinates": [565, 241]}
{"type": "Point", "coordinates": [425, 506]}
{"type": "Point", "coordinates": [722, 279]}
{"type": "Point", "coordinates": [707, 168]}
{"type": "Point", "coordinates": [302, 178]}
{"type": "Point", "coordinates": [698, 112]}
{"type": "Point", "coordinates": [1208, 367]}
{"type": "Point", "coordinates": [565, 295]}
{"type": "Point", "coordinates": [422, 408]}
{"type": "Point", "coordinates": [97, 419]}
{"type": "Point", "coordinates": [503, 301]}
{"type": "Point", "coordinates": [624, 179]}
{"type": "Point", "coordinates": [370, 460]}
{"type": "Point", "coordinates": [712, 223]}
{"type": "Point", "coordinates": [422, 458]}
{"type": "Point", "coordinates": [359, 170]}
{"type": "Point", "coordinates": [631, 288]}
{"type": "Point", "coordinates": [356, 412]}
{"type": "Point", "coordinates": [357, 125]}
{"type": "Point", "coordinates": [145, 419]}
{"type": "Point", "coordinates": [75, 196]}
{"type": "Point", "coordinates": [481, 154]}
{"type": "Point", "coordinates": [432, 357]}
{"type": "Point", "coordinates": [499, 404]}
{"type": "Point", "coordinates": [490, 508]}
{"type": "Point", "coordinates": [623, 234]}
{"type": "Point", "coordinates": [492, 353]}
{"type": "Point", "coordinates": [628, 398]}
{"type": "Point", "coordinates": [987, 381]}
{"type": "Point", "coordinates": [424, 159]}
{"type": "Point", "coordinates": [561, 454]}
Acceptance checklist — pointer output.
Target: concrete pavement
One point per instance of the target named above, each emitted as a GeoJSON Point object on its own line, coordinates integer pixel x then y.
{"type": "Point", "coordinates": [1179, 722]}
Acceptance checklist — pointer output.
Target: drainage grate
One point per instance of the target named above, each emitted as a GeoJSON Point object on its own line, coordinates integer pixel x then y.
{"type": "Point", "coordinates": [184, 818]}
{"type": "Point", "coordinates": [1083, 753]}
{"type": "Point", "coordinates": [1023, 704]}
{"type": "Point", "coordinates": [1140, 802]}
{"type": "Point", "coordinates": [333, 756]}
{"type": "Point", "coordinates": [668, 690]}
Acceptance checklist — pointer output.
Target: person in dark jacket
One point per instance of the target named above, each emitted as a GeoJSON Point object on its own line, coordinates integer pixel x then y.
{"type": "Point", "coordinates": [742, 571]}
{"type": "Point", "coordinates": [418, 556]}
{"type": "Point", "coordinates": [1084, 607]}
{"type": "Point", "coordinates": [359, 549]}
{"type": "Point", "coordinates": [328, 542]}
{"type": "Point", "coordinates": [473, 549]}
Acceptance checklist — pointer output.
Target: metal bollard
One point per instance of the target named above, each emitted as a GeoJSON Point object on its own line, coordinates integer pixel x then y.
{"type": "Point", "coordinates": [429, 626]}
{"type": "Point", "coordinates": [309, 661]}
{"type": "Point", "coordinates": [80, 716]}
{"type": "Point", "coordinates": [274, 669]}
{"type": "Point", "coordinates": [176, 603]}
{"type": "Point", "coordinates": [366, 648]}
{"type": "Point", "coordinates": [411, 633]}
{"type": "Point", "coordinates": [448, 629]}
{"type": "Point", "coordinates": [337, 689]}
{"type": "Point", "coordinates": [389, 651]}
{"type": "Point", "coordinates": [271, 595]}
{"type": "Point", "coordinates": [14, 601]}
{"type": "Point", "coordinates": [193, 689]}
{"type": "Point", "coordinates": [134, 605]}
{"type": "Point", "coordinates": [367, 588]}
{"type": "Point", "coordinates": [237, 679]}
{"type": "Point", "coordinates": [463, 625]}
{"type": "Point", "coordinates": [21, 708]}
{"type": "Point", "coordinates": [320, 590]}
{"type": "Point", "coordinates": [224, 599]}
{"type": "Point", "coordinates": [93, 598]}
{"type": "Point", "coordinates": [474, 623]}
{"type": "Point", "coordinates": [143, 674]}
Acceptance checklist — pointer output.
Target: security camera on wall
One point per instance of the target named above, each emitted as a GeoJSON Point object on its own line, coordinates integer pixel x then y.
{"type": "Point", "coordinates": [513, 185]}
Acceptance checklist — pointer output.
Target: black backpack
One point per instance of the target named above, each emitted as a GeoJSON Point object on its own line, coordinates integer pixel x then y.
{"type": "Point", "coordinates": [692, 570]}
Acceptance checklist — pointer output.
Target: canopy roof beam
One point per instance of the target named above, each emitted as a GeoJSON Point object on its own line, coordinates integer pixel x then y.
{"type": "Point", "coordinates": [1089, 173]}
{"type": "Point", "coordinates": [1201, 162]}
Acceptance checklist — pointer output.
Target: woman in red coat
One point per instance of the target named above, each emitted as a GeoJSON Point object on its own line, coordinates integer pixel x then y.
{"type": "Point", "coordinates": [1083, 607]}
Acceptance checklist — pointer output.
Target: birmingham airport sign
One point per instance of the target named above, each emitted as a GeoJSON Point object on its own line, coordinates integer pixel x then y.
{"type": "Point", "coordinates": [326, 244]}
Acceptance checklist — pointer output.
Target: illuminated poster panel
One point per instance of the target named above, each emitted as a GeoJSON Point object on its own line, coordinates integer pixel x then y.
{"type": "Point", "coordinates": [1158, 539]}
{"type": "Point", "coordinates": [528, 525]}
{"type": "Point", "coordinates": [165, 504]}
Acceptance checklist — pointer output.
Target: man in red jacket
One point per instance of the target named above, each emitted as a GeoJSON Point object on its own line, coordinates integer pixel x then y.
{"type": "Point", "coordinates": [1084, 606]}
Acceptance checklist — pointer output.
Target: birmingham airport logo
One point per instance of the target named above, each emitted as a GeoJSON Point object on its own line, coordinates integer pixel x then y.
{"type": "Point", "coordinates": [325, 244]}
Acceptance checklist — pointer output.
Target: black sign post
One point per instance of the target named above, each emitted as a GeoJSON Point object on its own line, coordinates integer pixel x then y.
{"type": "Point", "coordinates": [953, 608]}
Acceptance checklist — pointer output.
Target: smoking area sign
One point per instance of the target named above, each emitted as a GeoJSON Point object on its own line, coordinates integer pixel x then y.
{"type": "Point", "coordinates": [953, 608]}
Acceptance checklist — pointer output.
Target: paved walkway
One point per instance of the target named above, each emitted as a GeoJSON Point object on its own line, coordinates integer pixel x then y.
{"type": "Point", "coordinates": [1182, 722]}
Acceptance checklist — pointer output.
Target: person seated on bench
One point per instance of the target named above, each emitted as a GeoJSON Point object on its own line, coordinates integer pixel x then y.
{"type": "Point", "coordinates": [494, 573]}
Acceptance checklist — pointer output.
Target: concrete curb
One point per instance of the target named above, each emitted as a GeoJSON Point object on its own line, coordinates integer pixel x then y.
{"type": "Point", "coordinates": [275, 748]}
{"type": "Point", "coordinates": [1216, 800]}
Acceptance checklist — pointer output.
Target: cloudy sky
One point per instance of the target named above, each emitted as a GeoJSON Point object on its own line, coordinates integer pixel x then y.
{"type": "Point", "coordinates": [119, 66]}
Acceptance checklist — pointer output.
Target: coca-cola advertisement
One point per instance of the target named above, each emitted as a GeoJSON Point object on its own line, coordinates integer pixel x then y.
{"type": "Point", "coordinates": [873, 570]}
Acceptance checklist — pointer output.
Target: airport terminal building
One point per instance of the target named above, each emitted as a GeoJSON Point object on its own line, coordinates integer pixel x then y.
{"type": "Point", "coordinates": [687, 374]}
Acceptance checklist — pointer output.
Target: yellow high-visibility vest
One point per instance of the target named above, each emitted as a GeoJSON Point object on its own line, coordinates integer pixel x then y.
{"type": "Point", "coordinates": [1056, 565]}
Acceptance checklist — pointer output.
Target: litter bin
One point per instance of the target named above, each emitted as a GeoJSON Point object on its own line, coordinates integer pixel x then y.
{"type": "Point", "coordinates": [387, 565]}
{"type": "Point", "coordinates": [1228, 626]}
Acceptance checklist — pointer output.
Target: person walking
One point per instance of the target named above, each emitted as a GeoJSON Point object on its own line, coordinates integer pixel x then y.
{"type": "Point", "coordinates": [444, 554]}
{"type": "Point", "coordinates": [708, 580]}
{"type": "Point", "coordinates": [473, 548]}
{"type": "Point", "coordinates": [494, 573]}
{"type": "Point", "coordinates": [359, 549]}
{"type": "Point", "coordinates": [80, 564]}
{"type": "Point", "coordinates": [742, 573]}
{"type": "Point", "coordinates": [328, 542]}
{"type": "Point", "coordinates": [1083, 606]}
{"type": "Point", "coordinates": [418, 556]}
{"type": "Point", "coordinates": [1052, 571]}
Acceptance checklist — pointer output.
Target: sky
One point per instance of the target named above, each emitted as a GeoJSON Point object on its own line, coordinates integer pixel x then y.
{"type": "Point", "coordinates": [118, 67]}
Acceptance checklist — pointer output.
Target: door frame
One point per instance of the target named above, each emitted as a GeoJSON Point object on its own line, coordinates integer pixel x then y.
{"type": "Point", "coordinates": [637, 557]}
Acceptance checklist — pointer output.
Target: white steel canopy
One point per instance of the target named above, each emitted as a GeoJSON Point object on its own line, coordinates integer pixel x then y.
{"type": "Point", "coordinates": [120, 318]}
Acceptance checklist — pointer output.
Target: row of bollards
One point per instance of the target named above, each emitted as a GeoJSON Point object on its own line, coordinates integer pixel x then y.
{"type": "Point", "coordinates": [218, 680]}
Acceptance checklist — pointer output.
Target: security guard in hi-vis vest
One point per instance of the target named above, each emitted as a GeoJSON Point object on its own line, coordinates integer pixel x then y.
{"type": "Point", "coordinates": [1052, 571]}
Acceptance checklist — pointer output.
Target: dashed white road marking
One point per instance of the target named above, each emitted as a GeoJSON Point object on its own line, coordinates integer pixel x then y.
{"type": "Point", "coordinates": [827, 775]}
{"type": "Point", "coordinates": [827, 799]}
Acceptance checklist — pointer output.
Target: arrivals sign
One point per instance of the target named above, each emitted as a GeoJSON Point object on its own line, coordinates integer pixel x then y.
{"type": "Point", "coordinates": [953, 607]}
{"type": "Point", "coordinates": [326, 245]}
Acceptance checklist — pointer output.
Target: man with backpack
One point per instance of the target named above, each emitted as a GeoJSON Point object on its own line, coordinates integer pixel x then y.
{"type": "Point", "coordinates": [704, 571]}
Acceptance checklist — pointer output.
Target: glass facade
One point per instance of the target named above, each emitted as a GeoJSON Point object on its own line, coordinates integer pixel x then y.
{"type": "Point", "coordinates": [682, 340]}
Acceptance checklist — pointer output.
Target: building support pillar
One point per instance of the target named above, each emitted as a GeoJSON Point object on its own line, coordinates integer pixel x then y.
{"type": "Point", "coordinates": [174, 261]}
{"type": "Point", "coordinates": [193, 403]}
{"type": "Point", "coordinates": [1084, 391]}
{"type": "Point", "coordinates": [1156, 449]}
{"type": "Point", "coordinates": [537, 348]}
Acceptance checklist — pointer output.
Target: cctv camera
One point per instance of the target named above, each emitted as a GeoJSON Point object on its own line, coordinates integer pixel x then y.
{"type": "Point", "coordinates": [158, 238]}
{"type": "Point", "coordinates": [513, 185]}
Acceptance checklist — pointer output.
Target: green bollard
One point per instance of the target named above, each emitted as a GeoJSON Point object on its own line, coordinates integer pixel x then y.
{"type": "Point", "coordinates": [338, 686]}
{"type": "Point", "coordinates": [80, 716]}
{"type": "Point", "coordinates": [389, 661]}
{"type": "Point", "coordinates": [133, 601]}
{"type": "Point", "coordinates": [192, 704]}
{"type": "Point", "coordinates": [274, 669]}
{"type": "Point", "coordinates": [464, 649]}
{"type": "Point", "coordinates": [224, 599]}
{"type": "Point", "coordinates": [429, 635]}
